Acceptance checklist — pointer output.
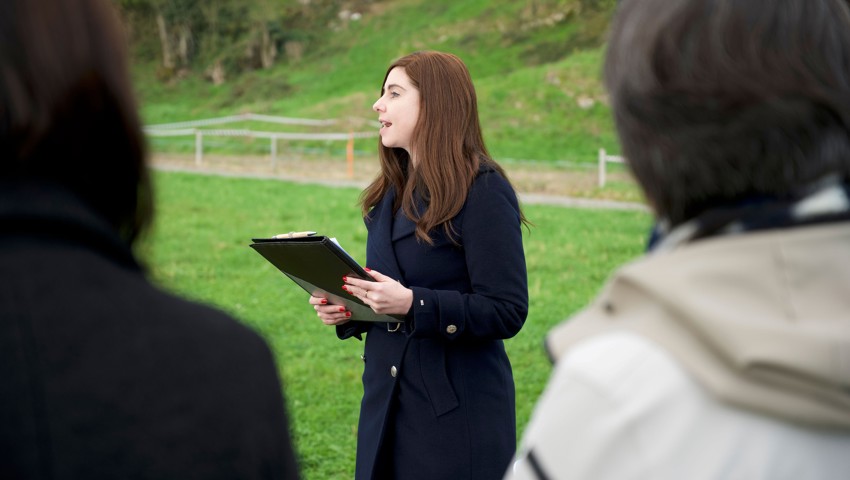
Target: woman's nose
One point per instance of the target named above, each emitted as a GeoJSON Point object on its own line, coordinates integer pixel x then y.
{"type": "Point", "coordinates": [378, 106]}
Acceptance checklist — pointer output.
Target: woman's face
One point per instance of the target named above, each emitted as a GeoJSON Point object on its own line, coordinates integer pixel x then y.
{"type": "Point", "coordinates": [398, 110]}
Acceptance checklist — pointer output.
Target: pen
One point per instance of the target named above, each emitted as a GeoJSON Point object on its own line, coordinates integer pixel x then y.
{"type": "Point", "coordinates": [295, 235]}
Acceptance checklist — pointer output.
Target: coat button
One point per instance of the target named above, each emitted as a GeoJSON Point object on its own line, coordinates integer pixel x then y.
{"type": "Point", "coordinates": [393, 371]}
{"type": "Point", "coordinates": [451, 329]}
{"type": "Point", "coordinates": [363, 357]}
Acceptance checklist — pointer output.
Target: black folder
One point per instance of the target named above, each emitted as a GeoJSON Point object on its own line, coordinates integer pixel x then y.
{"type": "Point", "coordinates": [317, 264]}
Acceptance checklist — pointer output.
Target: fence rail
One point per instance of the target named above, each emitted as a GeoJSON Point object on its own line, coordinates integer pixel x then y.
{"type": "Point", "coordinates": [245, 117]}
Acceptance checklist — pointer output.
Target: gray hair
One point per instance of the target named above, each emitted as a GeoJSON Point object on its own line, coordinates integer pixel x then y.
{"type": "Point", "coordinates": [718, 101]}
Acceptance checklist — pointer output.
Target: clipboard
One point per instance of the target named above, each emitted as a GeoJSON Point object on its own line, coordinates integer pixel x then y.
{"type": "Point", "coordinates": [317, 264]}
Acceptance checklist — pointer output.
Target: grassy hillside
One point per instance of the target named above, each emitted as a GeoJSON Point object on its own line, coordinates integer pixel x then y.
{"type": "Point", "coordinates": [536, 66]}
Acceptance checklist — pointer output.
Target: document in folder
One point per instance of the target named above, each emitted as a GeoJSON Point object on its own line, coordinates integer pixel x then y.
{"type": "Point", "coordinates": [317, 264]}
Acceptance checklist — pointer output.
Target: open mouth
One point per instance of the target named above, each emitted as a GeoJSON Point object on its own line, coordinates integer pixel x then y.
{"type": "Point", "coordinates": [385, 124]}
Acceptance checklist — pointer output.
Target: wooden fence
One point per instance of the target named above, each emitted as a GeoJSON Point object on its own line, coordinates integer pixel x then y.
{"type": "Point", "coordinates": [196, 128]}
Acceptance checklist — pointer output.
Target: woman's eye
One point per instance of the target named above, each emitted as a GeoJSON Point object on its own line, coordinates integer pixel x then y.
{"type": "Point", "coordinates": [393, 94]}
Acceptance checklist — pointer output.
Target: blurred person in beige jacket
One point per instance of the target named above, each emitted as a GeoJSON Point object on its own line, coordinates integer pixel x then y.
{"type": "Point", "coordinates": [724, 353]}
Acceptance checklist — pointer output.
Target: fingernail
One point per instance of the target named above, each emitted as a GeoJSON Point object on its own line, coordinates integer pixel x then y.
{"type": "Point", "coordinates": [367, 269]}
{"type": "Point", "coordinates": [347, 314]}
{"type": "Point", "coordinates": [345, 279]}
{"type": "Point", "coordinates": [341, 309]}
{"type": "Point", "coordinates": [345, 288]}
{"type": "Point", "coordinates": [324, 301]}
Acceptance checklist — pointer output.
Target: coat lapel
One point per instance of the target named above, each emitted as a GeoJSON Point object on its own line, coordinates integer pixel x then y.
{"type": "Point", "coordinates": [380, 254]}
{"type": "Point", "coordinates": [402, 227]}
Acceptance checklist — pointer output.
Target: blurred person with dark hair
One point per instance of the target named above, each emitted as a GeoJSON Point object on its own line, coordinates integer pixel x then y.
{"type": "Point", "coordinates": [103, 375]}
{"type": "Point", "coordinates": [725, 351]}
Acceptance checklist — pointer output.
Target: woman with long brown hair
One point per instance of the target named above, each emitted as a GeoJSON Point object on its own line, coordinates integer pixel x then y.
{"type": "Point", "coordinates": [445, 251]}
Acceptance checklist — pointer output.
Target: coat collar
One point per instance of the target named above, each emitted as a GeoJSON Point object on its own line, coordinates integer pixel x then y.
{"type": "Point", "coordinates": [384, 230]}
{"type": "Point", "coordinates": [46, 210]}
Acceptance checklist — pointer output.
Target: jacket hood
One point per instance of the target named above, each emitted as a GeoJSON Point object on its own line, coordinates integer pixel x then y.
{"type": "Point", "coordinates": [761, 320]}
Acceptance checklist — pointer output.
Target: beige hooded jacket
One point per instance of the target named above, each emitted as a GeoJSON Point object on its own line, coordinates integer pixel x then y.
{"type": "Point", "coordinates": [758, 324]}
{"type": "Point", "coordinates": [760, 320]}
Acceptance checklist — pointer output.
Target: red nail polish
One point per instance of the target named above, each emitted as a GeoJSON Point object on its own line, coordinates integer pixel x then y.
{"type": "Point", "coordinates": [324, 301]}
{"type": "Point", "coordinates": [347, 314]}
{"type": "Point", "coordinates": [367, 269]}
{"type": "Point", "coordinates": [345, 288]}
{"type": "Point", "coordinates": [345, 279]}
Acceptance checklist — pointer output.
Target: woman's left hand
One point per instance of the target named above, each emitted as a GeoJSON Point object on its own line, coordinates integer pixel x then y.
{"type": "Point", "coordinates": [385, 295]}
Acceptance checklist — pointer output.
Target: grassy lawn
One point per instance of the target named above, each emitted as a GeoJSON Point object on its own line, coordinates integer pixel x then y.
{"type": "Point", "coordinates": [199, 248]}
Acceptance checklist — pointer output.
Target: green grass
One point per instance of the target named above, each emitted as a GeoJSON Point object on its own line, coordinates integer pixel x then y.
{"type": "Point", "coordinates": [529, 75]}
{"type": "Point", "coordinates": [199, 248]}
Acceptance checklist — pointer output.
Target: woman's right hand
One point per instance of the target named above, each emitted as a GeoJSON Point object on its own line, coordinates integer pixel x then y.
{"type": "Point", "coordinates": [330, 313]}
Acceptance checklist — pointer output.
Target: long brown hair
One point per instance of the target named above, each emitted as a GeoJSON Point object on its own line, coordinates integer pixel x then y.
{"type": "Point", "coordinates": [448, 144]}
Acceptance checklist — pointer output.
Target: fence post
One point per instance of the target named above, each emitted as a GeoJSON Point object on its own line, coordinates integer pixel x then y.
{"type": "Point", "coordinates": [199, 147]}
{"type": "Point", "coordinates": [349, 154]}
{"type": "Point", "coordinates": [602, 167]}
{"type": "Point", "coordinates": [274, 152]}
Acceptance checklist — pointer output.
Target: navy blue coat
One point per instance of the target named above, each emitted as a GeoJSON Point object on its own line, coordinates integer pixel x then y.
{"type": "Point", "coordinates": [438, 397]}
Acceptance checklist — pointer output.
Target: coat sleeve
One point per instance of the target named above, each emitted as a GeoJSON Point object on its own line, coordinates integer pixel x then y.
{"type": "Point", "coordinates": [491, 233]}
{"type": "Point", "coordinates": [352, 329]}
